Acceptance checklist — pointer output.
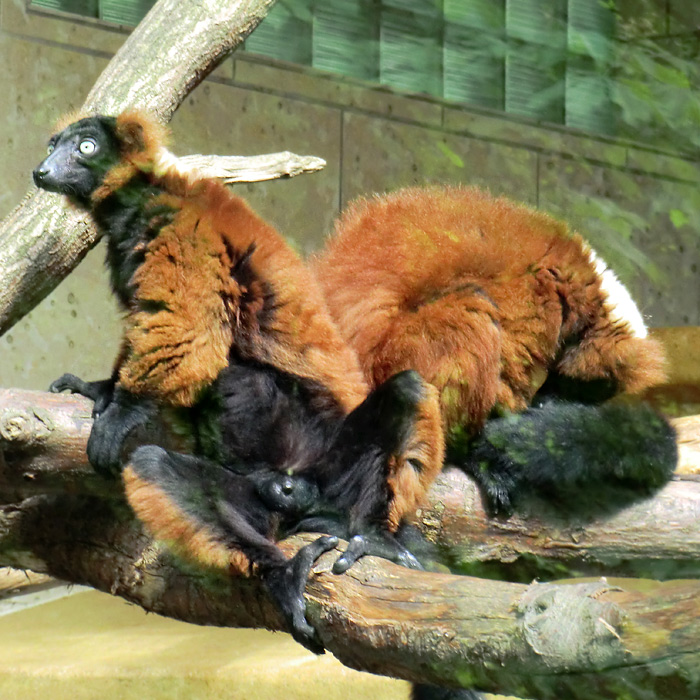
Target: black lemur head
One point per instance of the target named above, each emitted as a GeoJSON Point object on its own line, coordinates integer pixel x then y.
{"type": "Point", "coordinates": [79, 157]}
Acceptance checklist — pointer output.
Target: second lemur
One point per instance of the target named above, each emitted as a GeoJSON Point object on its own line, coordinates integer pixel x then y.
{"type": "Point", "coordinates": [499, 306]}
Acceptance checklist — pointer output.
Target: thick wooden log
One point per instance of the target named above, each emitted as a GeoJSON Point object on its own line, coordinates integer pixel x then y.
{"type": "Point", "coordinates": [42, 447]}
{"type": "Point", "coordinates": [585, 640]}
{"type": "Point", "coordinates": [579, 641]}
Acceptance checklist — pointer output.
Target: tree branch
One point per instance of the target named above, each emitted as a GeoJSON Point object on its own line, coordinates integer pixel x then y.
{"type": "Point", "coordinates": [43, 438]}
{"type": "Point", "coordinates": [656, 537]}
{"type": "Point", "coordinates": [232, 169]}
{"type": "Point", "coordinates": [545, 641]}
{"type": "Point", "coordinates": [176, 45]}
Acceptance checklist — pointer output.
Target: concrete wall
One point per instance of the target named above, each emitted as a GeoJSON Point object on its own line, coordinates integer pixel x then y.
{"type": "Point", "coordinates": [624, 197]}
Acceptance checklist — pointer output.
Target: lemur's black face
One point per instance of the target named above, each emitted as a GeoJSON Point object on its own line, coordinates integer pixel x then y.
{"type": "Point", "coordinates": [79, 156]}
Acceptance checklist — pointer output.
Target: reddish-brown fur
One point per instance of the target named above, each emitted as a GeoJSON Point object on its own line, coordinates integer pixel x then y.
{"type": "Point", "coordinates": [478, 294]}
{"type": "Point", "coordinates": [408, 485]}
{"type": "Point", "coordinates": [168, 523]}
{"type": "Point", "coordinates": [188, 311]}
{"type": "Point", "coordinates": [173, 353]}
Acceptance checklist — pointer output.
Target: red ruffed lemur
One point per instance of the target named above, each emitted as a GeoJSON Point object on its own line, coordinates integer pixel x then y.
{"type": "Point", "coordinates": [501, 308]}
{"type": "Point", "coordinates": [226, 331]}
{"type": "Point", "coordinates": [494, 304]}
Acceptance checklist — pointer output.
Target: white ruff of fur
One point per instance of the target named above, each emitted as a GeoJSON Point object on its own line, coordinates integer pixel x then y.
{"type": "Point", "coordinates": [166, 160]}
{"type": "Point", "coordinates": [620, 305]}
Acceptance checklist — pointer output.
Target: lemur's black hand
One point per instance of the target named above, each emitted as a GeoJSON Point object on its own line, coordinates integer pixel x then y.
{"type": "Point", "coordinates": [111, 428]}
{"type": "Point", "coordinates": [385, 547]}
{"type": "Point", "coordinates": [101, 391]}
{"type": "Point", "coordinates": [286, 585]}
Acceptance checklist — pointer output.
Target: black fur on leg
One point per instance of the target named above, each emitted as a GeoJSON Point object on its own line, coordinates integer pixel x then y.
{"type": "Point", "coordinates": [356, 480]}
{"type": "Point", "coordinates": [111, 428]}
{"type": "Point", "coordinates": [556, 450]}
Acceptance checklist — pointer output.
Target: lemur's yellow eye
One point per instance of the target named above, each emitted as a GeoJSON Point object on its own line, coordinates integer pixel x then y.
{"type": "Point", "coordinates": [49, 149]}
{"type": "Point", "coordinates": [87, 147]}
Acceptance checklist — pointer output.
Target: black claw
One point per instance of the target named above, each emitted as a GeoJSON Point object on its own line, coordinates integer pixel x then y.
{"type": "Point", "coordinates": [286, 585]}
{"type": "Point", "coordinates": [356, 549]}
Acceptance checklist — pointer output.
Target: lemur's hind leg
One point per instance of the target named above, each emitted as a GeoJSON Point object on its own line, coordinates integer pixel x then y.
{"type": "Point", "coordinates": [215, 517]}
{"type": "Point", "coordinates": [610, 356]}
{"type": "Point", "coordinates": [390, 450]}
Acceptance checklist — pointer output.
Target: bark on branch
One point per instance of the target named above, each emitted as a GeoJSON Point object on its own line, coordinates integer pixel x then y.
{"type": "Point", "coordinates": [232, 169]}
{"type": "Point", "coordinates": [176, 45]}
{"type": "Point", "coordinates": [543, 640]}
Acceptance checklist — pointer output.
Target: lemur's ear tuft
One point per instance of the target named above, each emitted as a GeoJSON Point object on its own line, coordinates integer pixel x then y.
{"type": "Point", "coordinates": [141, 138]}
{"type": "Point", "coordinates": [139, 132]}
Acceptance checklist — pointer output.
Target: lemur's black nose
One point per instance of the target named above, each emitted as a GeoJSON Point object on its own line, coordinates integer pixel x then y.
{"type": "Point", "coordinates": [39, 174]}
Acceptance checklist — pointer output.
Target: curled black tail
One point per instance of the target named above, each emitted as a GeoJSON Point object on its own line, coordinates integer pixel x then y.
{"type": "Point", "coordinates": [571, 452]}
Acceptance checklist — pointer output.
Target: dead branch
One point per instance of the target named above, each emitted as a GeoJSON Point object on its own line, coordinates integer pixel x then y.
{"type": "Point", "coordinates": [232, 169]}
{"type": "Point", "coordinates": [176, 45]}
{"type": "Point", "coordinates": [544, 641]}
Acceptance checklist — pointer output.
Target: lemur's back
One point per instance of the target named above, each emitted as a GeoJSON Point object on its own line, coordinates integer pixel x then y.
{"type": "Point", "coordinates": [480, 295]}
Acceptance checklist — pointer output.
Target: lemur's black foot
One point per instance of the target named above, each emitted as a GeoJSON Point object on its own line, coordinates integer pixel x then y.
{"type": "Point", "coordinates": [286, 585]}
{"type": "Point", "coordinates": [385, 547]}
{"type": "Point", "coordinates": [111, 428]}
{"type": "Point", "coordinates": [100, 392]}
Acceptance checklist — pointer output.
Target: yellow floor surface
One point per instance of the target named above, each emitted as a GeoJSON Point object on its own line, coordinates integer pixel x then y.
{"type": "Point", "coordinates": [92, 646]}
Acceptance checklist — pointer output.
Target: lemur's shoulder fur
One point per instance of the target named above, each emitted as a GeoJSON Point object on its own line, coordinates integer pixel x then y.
{"type": "Point", "coordinates": [224, 278]}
